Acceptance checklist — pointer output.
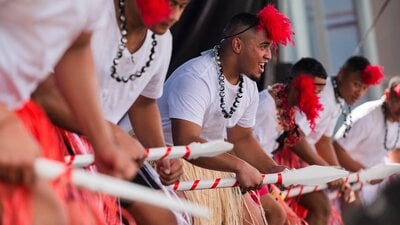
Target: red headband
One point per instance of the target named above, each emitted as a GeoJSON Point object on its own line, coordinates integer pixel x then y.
{"type": "Point", "coordinates": [372, 75]}
{"type": "Point", "coordinates": [276, 24]}
{"type": "Point", "coordinates": [308, 100]}
{"type": "Point", "coordinates": [153, 11]}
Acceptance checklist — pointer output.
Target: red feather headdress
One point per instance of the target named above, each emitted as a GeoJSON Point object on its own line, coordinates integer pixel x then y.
{"type": "Point", "coordinates": [277, 25]}
{"type": "Point", "coordinates": [372, 75]}
{"type": "Point", "coordinates": [153, 11]}
{"type": "Point", "coordinates": [308, 100]}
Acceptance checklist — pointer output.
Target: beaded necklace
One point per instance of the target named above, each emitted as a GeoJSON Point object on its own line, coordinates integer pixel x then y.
{"type": "Point", "coordinates": [348, 119]}
{"type": "Point", "coordinates": [385, 145]}
{"type": "Point", "coordinates": [122, 46]}
{"type": "Point", "coordinates": [221, 82]}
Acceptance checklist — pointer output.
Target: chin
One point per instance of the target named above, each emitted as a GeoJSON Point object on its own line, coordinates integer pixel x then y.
{"type": "Point", "coordinates": [159, 29]}
{"type": "Point", "coordinates": [254, 78]}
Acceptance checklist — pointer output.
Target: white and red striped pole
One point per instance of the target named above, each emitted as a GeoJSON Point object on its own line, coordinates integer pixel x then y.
{"type": "Point", "coordinates": [49, 169]}
{"type": "Point", "coordinates": [192, 151]}
{"type": "Point", "coordinates": [377, 172]}
{"type": "Point", "coordinates": [320, 174]}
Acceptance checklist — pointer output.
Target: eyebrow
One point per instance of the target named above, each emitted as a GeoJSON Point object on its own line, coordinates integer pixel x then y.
{"type": "Point", "coordinates": [266, 43]}
{"type": "Point", "coordinates": [319, 84]}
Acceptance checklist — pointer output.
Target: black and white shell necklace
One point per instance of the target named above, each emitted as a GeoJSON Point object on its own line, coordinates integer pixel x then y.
{"type": "Point", "coordinates": [221, 82]}
{"type": "Point", "coordinates": [122, 46]}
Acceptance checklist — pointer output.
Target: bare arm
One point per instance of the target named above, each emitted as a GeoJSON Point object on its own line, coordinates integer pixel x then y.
{"type": "Point", "coordinates": [247, 148]}
{"type": "Point", "coordinates": [346, 160]}
{"type": "Point", "coordinates": [185, 132]}
{"type": "Point", "coordinates": [326, 150]}
{"type": "Point", "coordinates": [76, 80]}
{"type": "Point", "coordinates": [146, 123]}
{"type": "Point", "coordinates": [305, 151]}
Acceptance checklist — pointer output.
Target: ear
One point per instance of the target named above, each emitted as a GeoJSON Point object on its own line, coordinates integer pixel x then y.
{"type": "Point", "coordinates": [340, 75]}
{"type": "Point", "coordinates": [237, 45]}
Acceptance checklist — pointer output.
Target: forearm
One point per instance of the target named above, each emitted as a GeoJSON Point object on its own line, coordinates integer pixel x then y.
{"type": "Point", "coordinates": [345, 160]}
{"type": "Point", "coordinates": [305, 152]}
{"type": "Point", "coordinates": [75, 77]}
{"type": "Point", "coordinates": [146, 122]}
{"type": "Point", "coordinates": [248, 149]}
{"type": "Point", "coordinates": [326, 150]}
{"type": "Point", "coordinates": [225, 162]}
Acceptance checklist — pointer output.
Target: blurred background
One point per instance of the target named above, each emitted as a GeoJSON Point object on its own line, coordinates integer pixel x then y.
{"type": "Point", "coordinates": [328, 30]}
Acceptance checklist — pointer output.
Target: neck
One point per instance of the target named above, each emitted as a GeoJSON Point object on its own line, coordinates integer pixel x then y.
{"type": "Point", "coordinates": [291, 96]}
{"type": "Point", "coordinates": [136, 30]}
{"type": "Point", "coordinates": [229, 66]}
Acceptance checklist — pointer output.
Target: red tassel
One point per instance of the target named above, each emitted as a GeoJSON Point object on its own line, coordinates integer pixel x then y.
{"type": "Point", "coordinates": [153, 11]}
{"type": "Point", "coordinates": [308, 100]}
{"type": "Point", "coordinates": [372, 75]}
{"type": "Point", "coordinates": [277, 25]}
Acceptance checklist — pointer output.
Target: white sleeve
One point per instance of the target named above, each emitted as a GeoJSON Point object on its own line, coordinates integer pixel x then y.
{"type": "Point", "coordinates": [330, 128]}
{"type": "Point", "coordinates": [302, 122]}
{"type": "Point", "coordinates": [188, 99]}
{"type": "Point", "coordinates": [97, 13]}
{"type": "Point", "coordinates": [154, 88]}
{"type": "Point", "coordinates": [249, 117]}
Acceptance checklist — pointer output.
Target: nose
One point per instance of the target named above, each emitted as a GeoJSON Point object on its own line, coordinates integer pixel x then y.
{"type": "Point", "coordinates": [363, 90]}
{"type": "Point", "coordinates": [267, 54]}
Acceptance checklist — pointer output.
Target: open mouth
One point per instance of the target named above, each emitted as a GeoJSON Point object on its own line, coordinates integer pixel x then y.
{"type": "Point", "coordinates": [262, 66]}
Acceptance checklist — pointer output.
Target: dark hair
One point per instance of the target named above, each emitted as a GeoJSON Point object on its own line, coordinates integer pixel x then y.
{"type": "Point", "coordinates": [239, 24]}
{"type": "Point", "coordinates": [309, 66]}
{"type": "Point", "coordinates": [356, 63]}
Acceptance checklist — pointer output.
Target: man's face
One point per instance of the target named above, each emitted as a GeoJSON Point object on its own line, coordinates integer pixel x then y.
{"type": "Point", "coordinates": [255, 54]}
{"type": "Point", "coordinates": [177, 7]}
{"type": "Point", "coordinates": [393, 103]}
{"type": "Point", "coordinates": [319, 84]}
{"type": "Point", "coordinates": [351, 86]}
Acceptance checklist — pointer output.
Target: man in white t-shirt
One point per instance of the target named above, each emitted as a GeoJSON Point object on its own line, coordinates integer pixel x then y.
{"type": "Point", "coordinates": [351, 83]}
{"type": "Point", "coordinates": [275, 123]}
{"type": "Point", "coordinates": [374, 133]}
{"type": "Point", "coordinates": [37, 38]}
{"type": "Point", "coordinates": [215, 94]}
{"type": "Point", "coordinates": [132, 60]}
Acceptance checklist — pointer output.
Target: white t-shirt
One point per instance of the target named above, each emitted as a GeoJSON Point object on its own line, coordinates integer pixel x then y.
{"type": "Point", "coordinates": [266, 129]}
{"type": "Point", "coordinates": [118, 97]}
{"type": "Point", "coordinates": [192, 94]}
{"type": "Point", "coordinates": [365, 140]}
{"type": "Point", "coordinates": [34, 36]}
{"type": "Point", "coordinates": [325, 124]}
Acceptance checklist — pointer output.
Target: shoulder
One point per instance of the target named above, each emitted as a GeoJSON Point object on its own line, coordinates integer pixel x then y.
{"type": "Point", "coordinates": [367, 110]}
